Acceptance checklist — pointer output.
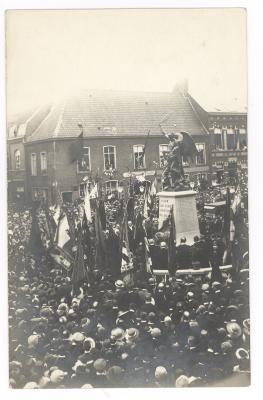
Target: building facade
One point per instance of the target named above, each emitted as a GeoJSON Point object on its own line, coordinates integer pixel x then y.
{"type": "Point", "coordinates": [122, 138]}
{"type": "Point", "coordinates": [228, 131]}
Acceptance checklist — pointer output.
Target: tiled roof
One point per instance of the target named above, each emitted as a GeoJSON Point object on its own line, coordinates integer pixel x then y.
{"type": "Point", "coordinates": [119, 113]}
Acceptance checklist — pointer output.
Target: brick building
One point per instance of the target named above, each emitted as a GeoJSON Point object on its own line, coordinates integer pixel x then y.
{"type": "Point", "coordinates": [19, 129]}
{"type": "Point", "coordinates": [117, 127]}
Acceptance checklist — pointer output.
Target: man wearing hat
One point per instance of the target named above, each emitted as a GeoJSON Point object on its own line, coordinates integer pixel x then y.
{"type": "Point", "coordinates": [184, 255]}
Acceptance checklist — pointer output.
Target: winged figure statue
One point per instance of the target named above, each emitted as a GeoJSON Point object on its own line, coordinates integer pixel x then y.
{"type": "Point", "coordinates": [181, 145]}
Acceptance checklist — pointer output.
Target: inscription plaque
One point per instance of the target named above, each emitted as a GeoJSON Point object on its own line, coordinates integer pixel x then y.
{"type": "Point", "coordinates": [185, 213]}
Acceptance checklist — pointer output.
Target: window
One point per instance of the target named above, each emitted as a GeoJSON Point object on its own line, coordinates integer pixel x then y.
{"type": "Point", "coordinates": [83, 164]}
{"type": "Point", "coordinates": [109, 153]}
{"type": "Point", "coordinates": [231, 139]}
{"type": "Point", "coordinates": [17, 159]}
{"type": "Point", "coordinates": [33, 164]}
{"type": "Point", "coordinates": [111, 187]}
{"type": "Point", "coordinates": [139, 156]}
{"type": "Point", "coordinates": [242, 139]}
{"type": "Point", "coordinates": [200, 158]}
{"type": "Point", "coordinates": [163, 151]}
{"type": "Point", "coordinates": [67, 197]}
{"type": "Point", "coordinates": [218, 139]}
{"type": "Point", "coordinates": [43, 163]}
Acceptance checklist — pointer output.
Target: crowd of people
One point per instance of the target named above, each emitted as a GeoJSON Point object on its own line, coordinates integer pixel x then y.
{"type": "Point", "coordinates": [183, 331]}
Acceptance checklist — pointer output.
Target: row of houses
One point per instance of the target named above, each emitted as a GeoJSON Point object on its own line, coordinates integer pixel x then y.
{"type": "Point", "coordinates": [122, 138]}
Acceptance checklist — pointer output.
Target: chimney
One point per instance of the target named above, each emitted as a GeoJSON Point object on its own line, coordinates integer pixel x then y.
{"type": "Point", "coordinates": [182, 86]}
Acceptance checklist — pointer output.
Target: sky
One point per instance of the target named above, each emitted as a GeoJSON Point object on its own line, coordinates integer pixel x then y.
{"type": "Point", "coordinates": [52, 53]}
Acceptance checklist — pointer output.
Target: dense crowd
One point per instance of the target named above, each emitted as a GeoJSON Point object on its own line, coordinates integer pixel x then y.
{"type": "Point", "coordinates": [177, 332]}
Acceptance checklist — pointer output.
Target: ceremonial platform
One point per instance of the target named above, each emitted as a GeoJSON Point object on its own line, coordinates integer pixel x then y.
{"type": "Point", "coordinates": [185, 213]}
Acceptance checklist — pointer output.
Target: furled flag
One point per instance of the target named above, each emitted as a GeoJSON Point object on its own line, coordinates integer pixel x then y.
{"type": "Point", "coordinates": [147, 205]}
{"type": "Point", "coordinates": [126, 256]}
{"type": "Point", "coordinates": [130, 209]}
{"type": "Point", "coordinates": [86, 240]}
{"type": "Point", "coordinates": [100, 240]}
{"type": "Point", "coordinates": [71, 224]}
{"type": "Point", "coordinates": [226, 224]}
{"type": "Point", "coordinates": [79, 272]}
{"type": "Point", "coordinates": [139, 231]}
{"type": "Point", "coordinates": [171, 244]}
{"type": "Point", "coordinates": [62, 234]}
{"type": "Point", "coordinates": [140, 237]}
{"type": "Point", "coordinates": [56, 208]}
{"type": "Point", "coordinates": [102, 214]}
{"type": "Point", "coordinates": [113, 253]}
{"type": "Point", "coordinates": [35, 245]}
{"type": "Point", "coordinates": [87, 206]}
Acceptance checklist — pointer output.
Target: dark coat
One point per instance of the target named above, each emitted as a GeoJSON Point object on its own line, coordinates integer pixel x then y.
{"type": "Point", "coordinates": [184, 256]}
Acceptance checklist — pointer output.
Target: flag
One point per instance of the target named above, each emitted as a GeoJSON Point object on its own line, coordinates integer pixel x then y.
{"type": "Point", "coordinates": [61, 257]}
{"type": "Point", "coordinates": [102, 214]}
{"type": "Point", "coordinates": [62, 234]}
{"type": "Point", "coordinates": [130, 209]}
{"type": "Point", "coordinates": [35, 245]}
{"type": "Point", "coordinates": [71, 225]}
{"type": "Point", "coordinates": [147, 205]}
{"type": "Point", "coordinates": [153, 190]}
{"type": "Point", "coordinates": [226, 223]}
{"type": "Point", "coordinates": [56, 208]}
{"type": "Point", "coordinates": [236, 205]}
{"type": "Point", "coordinates": [50, 225]}
{"type": "Point", "coordinates": [140, 237]}
{"type": "Point", "coordinates": [100, 240]}
{"type": "Point", "coordinates": [79, 272]}
{"type": "Point", "coordinates": [87, 246]}
{"type": "Point", "coordinates": [94, 192]}
{"type": "Point", "coordinates": [171, 244]}
{"type": "Point", "coordinates": [56, 211]}
{"type": "Point", "coordinates": [87, 206]}
{"type": "Point", "coordinates": [126, 256]}
{"type": "Point", "coordinates": [114, 253]}
{"type": "Point", "coordinates": [76, 149]}
{"type": "Point", "coordinates": [139, 231]}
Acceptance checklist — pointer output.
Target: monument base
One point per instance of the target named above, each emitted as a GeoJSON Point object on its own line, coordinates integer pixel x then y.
{"type": "Point", "coordinates": [185, 213]}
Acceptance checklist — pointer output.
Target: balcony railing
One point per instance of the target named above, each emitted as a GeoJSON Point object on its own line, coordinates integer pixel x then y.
{"type": "Point", "coordinates": [229, 153]}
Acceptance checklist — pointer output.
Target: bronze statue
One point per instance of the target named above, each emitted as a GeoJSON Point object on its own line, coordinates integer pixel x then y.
{"type": "Point", "coordinates": [180, 145]}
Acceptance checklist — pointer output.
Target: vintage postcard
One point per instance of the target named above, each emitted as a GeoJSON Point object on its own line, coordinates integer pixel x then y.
{"type": "Point", "coordinates": [127, 188]}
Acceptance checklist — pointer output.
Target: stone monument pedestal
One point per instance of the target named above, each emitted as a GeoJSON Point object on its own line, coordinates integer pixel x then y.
{"type": "Point", "coordinates": [185, 213]}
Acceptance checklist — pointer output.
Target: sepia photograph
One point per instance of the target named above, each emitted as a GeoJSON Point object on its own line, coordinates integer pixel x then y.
{"type": "Point", "coordinates": [127, 198]}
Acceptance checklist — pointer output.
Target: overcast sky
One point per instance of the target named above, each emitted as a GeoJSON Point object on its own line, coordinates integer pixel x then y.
{"type": "Point", "coordinates": [52, 53]}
